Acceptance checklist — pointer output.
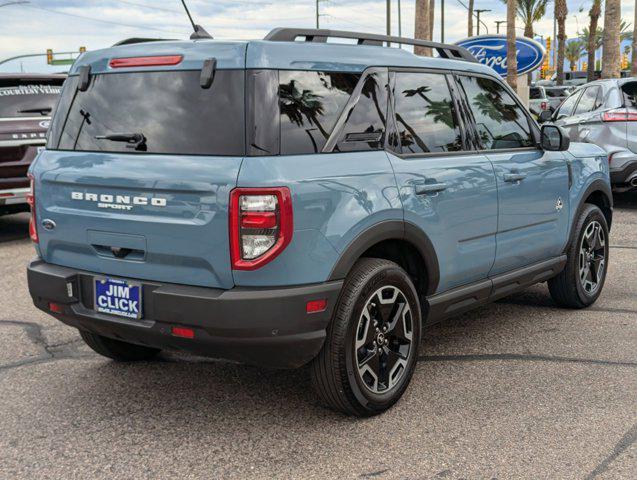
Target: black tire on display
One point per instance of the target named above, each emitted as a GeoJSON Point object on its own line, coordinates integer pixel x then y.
{"type": "Point", "coordinates": [116, 349]}
{"type": "Point", "coordinates": [581, 282]}
{"type": "Point", "coordinates": [371, 348]}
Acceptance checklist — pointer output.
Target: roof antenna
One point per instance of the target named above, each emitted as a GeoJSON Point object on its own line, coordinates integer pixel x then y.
{"type": "Point", "coordinates": [199, 31]}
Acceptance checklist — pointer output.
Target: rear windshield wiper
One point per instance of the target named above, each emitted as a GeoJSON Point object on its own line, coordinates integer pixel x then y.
{"type": "Point", "coordinates": [40, 110]}
{"type": "Point", "coordinates": [134, 140]}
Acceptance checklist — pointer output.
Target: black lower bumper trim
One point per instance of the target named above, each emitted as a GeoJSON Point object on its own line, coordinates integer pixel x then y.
{"type": "Point", "coordinates": [263, 326]}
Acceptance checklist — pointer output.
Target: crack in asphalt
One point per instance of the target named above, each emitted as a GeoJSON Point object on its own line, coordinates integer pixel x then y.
{"type": "Point", "coordinates": [626, 441]}
{"type": "Point", "coordinates": [50, 352]}
{"type": "Point", "coordinates": [630, 247]}
{"type": "Point", "coordinates": [522, 357]}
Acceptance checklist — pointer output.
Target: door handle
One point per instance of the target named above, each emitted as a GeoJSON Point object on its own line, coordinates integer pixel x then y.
{"type": "Point", "coordinates": [430, 188]}
{"type": "Point", "coordinates": [514, 177]}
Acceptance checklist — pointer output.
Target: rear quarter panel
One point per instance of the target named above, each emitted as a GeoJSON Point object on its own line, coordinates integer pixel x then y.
{"type": "Point", "coordinates": [335, 197]}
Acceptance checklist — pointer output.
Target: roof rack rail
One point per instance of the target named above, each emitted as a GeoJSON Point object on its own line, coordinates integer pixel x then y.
{"type": "Point", "coordinates": [130, 41]}
{"type": "Point", "coordinates": [320, 35]}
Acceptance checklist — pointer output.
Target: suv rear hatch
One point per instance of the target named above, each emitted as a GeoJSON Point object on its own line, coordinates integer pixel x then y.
{"type": "Point", "coordinates": [135, 180]}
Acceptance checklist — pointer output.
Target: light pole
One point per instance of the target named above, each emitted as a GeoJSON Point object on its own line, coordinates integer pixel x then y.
{"type": "Point", "coordinates": [20, 2]}
{"type": "Point", "coordinates": [497, 25]}
{"type": "Point", "coordinates": [478, 12]}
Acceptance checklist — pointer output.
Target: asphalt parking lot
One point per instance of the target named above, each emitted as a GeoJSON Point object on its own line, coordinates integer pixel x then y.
{"type": "Point", "coordinates": [518, 389]}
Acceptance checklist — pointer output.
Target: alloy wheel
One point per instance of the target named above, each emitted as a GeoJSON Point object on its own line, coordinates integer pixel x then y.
{"type": "Point", "coordinates": [383, 339]}
{"type": "Point", "coordinates": [592, 257]}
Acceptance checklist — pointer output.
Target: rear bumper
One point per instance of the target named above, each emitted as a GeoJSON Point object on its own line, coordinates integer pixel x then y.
{"type": "Point", "coordinates": [13, 200]}
{"type": "Point", "coordinates": [259, 326]}
{"type": "Point", "coordinates": [623, 168]}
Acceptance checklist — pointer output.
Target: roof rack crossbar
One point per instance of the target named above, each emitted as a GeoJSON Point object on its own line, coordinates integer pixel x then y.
{"type": "Point", "coordinates": [454, 52]}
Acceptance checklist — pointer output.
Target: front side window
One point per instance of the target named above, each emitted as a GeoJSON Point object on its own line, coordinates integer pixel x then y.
{"type": "Point", "coordinates": [588, 102]}
{"type": "Point", "coordinates": [500, 121]}
{"type": "Point", "coordinates": [425, 114]}
{"type": "Point", "coordinates": [566, 109]}
{"type": "Point", "coordinates": [310, 104]}
{"type": "Point", "coordinates": [153, 112]}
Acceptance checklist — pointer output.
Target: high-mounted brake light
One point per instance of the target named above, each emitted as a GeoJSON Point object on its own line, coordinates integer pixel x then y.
{"type": "Point", "coordinates": [33, 231]}
{"type": "Point", "coordinates": [621, 115]}
{"type": "Point", "coordinates": [156, 61]}
{"type": "Point", "coordinates": [261, 225]}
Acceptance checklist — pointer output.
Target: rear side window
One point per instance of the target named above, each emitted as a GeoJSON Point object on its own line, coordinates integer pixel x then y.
{"type": "Point", "coordinates": [425, 116]}
{"type": "Point", "coordinates": [310, 104]}
{"type": "Point", "coordinates": [28, 98]}
{"type": "Point", "coordinates": [500, 121]}
{"type": "Point", "coordinates": [589, 100]}
{"type": "Point", "coordinates": [171, 110]}
{"type": "Point", "coordinates": [566, 109]}
{"type": "Point", "coordinates": [629, 91]}
{"type": "Point", "coordinates": [535, 93]}
{"type": "Point", "coordinates": [364, 127]}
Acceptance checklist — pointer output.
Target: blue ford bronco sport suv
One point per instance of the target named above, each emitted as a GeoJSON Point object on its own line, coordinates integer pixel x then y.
{"type": "Point", "coordinates": [296, 201]}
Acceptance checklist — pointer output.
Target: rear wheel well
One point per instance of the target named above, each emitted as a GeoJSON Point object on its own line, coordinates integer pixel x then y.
{"type": "Point", "coordinates": [600, 199]}
{"type": "Point", "coordinates": [408, 257]}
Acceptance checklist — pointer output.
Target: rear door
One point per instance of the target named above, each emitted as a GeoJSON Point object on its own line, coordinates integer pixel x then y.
{"type": "Point", "coordinates": [532, 184]}
{"type": "Point", "coordinates": [136, 177]}
{"type": "Point", "coordinates": [447, 191]}
{"type": "Point", "coordinates": [586, 113]}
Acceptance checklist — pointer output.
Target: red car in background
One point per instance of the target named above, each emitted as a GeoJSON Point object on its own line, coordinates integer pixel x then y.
{"type": "Point", "coordinates": [26, 104]}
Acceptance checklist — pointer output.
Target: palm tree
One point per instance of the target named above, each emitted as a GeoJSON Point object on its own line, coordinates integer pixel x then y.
{"type": "Point", "coordinates": [530, 12]}
{"type": "Point", "coordinates": [470, 22]}
{"type": "Point", "coordinates": [574, 50]}
{"type": "Point", "coordinates": [633, 63]}
{"type": "Point", "coordinates": [422, 28]}
{"type": "Point", "coordinates": [591, 44]}
{"type": "Point", "coordinates": [512, 61]}
{"type": "Point", "coordinates": [561, 11]}
{"type": "Point", "coordinates": [610, 52]}
{"type": "Point", "coordinates": [432, 8]}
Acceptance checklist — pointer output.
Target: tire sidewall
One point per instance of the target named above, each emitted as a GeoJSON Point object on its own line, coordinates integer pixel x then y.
{"type": "Point", "coordinates": [388, 276]}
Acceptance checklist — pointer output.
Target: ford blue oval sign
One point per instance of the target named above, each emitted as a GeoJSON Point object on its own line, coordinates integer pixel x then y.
{"type": "Point", "coordinates": [492, 51]}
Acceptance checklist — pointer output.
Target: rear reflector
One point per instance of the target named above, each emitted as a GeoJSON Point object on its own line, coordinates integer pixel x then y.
{"type": "Point", "coordinates": [183, 332]}
{"type": "Point", "coordinates": [33, 231]}
{"type": "Point", "coordinates": [157, 61]}
{"type": "Point", "coordinates": [5, 195]}
{"type": "Point", "coordinates": [619, 116]}
{"type": "Point", "coordinates": [316, 306]}
{"type": "Point", "coordinates": [55, 307]}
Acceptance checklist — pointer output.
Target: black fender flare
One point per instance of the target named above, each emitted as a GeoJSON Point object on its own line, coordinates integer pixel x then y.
{"type": "Point", "coordinates": [597, 185]}
{"type": "Point", "coordinates": [390, 230]}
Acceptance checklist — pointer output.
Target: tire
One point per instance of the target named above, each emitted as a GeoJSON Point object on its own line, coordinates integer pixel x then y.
{"type": "Point", "coordinates": [344, 370]}
{"type": "Point", "coordinates": [116, 349]}
{"type": "Point", "coordinates": [569, 288]}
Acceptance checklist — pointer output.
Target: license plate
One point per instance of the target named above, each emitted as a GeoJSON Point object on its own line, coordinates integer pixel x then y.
{"type": "Point", "coordinates": [118, 297]}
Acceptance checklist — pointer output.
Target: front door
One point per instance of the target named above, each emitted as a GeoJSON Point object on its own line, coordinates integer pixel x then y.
{"type": "Point", "coordinates": [447, 192]}
{"type": "Point", "coordinates": [532, 184]}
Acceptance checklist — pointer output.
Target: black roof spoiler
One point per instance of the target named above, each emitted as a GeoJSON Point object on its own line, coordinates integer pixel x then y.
{"type": "Point", "coordinates": [130, 41]}
{"type": "Point", "coordinates": [444, 50]}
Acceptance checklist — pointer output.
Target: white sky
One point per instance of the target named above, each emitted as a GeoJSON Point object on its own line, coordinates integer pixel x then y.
{"type": "Point", "coordinates": [68, 24]}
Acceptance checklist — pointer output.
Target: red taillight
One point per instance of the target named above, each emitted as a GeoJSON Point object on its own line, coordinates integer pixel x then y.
{"type": "Point", "coordinates": [619, 116]}
{"type": "Point", "coordinates": [261, 225]}
{"type": "Point", "coordinates": [544, 105]}
{"type": "Point", "coordinates": [157, 61]}
{"type": "Point", "coordinates": [316, 306]}
{"type": "Point", "coordinates": [33, 231]}
{"type": "Point", "coordinates": [183, 332]}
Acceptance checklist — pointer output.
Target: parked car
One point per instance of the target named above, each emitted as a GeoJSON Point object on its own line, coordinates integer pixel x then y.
{"type": "Point", "coordinates": [285, 202]}
{"type": "Point", "coordinates": [538, 100]}
{"type": "Point", "coordinates": [604, 113]}
{"type": "Point", "coordinates": [556, 95]}
{"type": "Point", "coordinates": [26, 101]}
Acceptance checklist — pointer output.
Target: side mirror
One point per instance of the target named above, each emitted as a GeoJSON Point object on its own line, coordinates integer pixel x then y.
{"type": "Point", "coordinates": [544, 116]}
{"type": "Point", "coordinates": [554, 138]}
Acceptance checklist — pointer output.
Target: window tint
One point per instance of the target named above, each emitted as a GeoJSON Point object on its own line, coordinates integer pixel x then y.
{"type": "Point", "coordinates": [500, 122]}
{"type": "Point", "coordinates": [630, 94]}
{"type": "Point", "coordinates": [170, 109]}
{"type": "Point", "coordinates": [425, 115]}
{"type": "Point", "coordinates": [310, 104]}
{"type": "Point", "coordinates": [588, 101]}
{"type": "Point", "coordinates": [364, 128]}
{"type": "Point", "coordinates": [24, 98]}
{"type": "Point", "coordinates": [566, 109]}
{"type": "Point", "coordinates": [556, 92]}
{"type": "Point", "coordinates": [535, 93]}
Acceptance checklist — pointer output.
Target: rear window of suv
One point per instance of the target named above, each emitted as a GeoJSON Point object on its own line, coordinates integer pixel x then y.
{"type": "Point", "coordinates": [171, 110]}
{"type": "Point", "coordinates": [28, 98]}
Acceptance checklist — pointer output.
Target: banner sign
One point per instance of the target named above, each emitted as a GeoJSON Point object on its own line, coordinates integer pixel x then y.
{"type": "Point", "coordinates": [492, 51]}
